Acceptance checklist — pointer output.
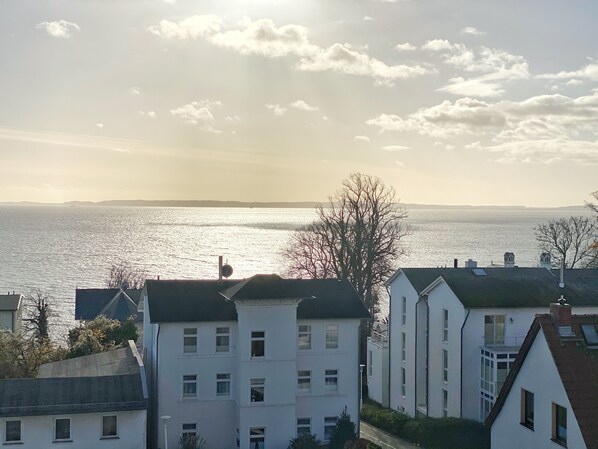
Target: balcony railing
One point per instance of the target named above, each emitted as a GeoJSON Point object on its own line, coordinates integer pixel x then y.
{"type": "Point", "coordinates": [511, 342]}
{"type": "Point", "coordinates": [379, 338]}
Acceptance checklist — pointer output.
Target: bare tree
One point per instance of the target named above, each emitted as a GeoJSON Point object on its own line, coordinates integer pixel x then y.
{"type": "Point", "coordinates": [124, 275]}
{"type": "Point", "coordinates": [358, 236]}
{"type": "Point", "coordinates": [593, 206]}
{"type": "Point", "coordinates": [39, 313]}
{"type": "Point", "coordinates": [570, 239]}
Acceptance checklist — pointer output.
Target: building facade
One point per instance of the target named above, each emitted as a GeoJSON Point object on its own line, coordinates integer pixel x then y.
{"type": "Point", "coordinates": [11, 311]}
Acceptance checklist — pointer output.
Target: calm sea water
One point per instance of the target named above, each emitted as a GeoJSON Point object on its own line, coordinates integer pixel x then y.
{"type": "Point", "coordinates": [59, 248]}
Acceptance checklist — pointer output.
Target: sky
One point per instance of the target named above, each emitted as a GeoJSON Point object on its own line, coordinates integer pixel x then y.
{"type": "Point", "coordinates": [449, 102]}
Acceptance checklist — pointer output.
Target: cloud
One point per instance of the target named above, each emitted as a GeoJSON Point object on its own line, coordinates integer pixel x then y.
{"type": "Point", "coordinates": [100, 125]}
{"type": "Point", "coordinates": [303, 106]}
{"type": "Point", "coordinates": [60, 28]}
{"type": "Point", "coordinates": [299, 105]}
{"type": "Point", "coordinates": [198, 113]}
{"type": "Point", "coordinates": [574, 82]}
{"type": "Point", "coordinates": [589, 72]}
{"type": "Point", "coordinates": [150, 114]}
{"type": "Point", "coordinates": [276, 109]}
{"type": "Point", "coordinates": [368, 19]}
{"type": "Point", "coordinates": [189, 28]}
{"type": "Point", "coordinates": [395, 148]}
{"type": "Point", "coordinates": [473, 31]}
{"type": "Point", "coordinates": [437, 45]}
{"type": "Point", "coordinates": [361, 139]}
{"type": "Point", "coordinates": [135, 90]}
{"type": "Point", "coordinates": [405, 47]}
{"type": "Point", "coordinates": [400, 164]}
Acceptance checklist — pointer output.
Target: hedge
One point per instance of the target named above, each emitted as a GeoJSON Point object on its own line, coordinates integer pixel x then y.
{"type": "Point", "coordinates": [431, 433]}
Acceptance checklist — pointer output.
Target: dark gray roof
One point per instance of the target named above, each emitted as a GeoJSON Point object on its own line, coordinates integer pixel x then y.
{"type": "Point", "coordinates": [52, 396]}
{"type": "Point", "coordinates": [113, 303]}
{"type": "Point", "coordinates": [10, 302]}
{"type": "Point", "coordinates": [511, 287]}
{"type": "Point", "coordinates": [264, 286]}
{"type": "Point", "coordinates": [202, 300]}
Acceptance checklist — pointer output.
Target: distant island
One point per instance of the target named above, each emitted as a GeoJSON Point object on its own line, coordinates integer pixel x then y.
{"type": "Point", "coordinates": [267, 204]}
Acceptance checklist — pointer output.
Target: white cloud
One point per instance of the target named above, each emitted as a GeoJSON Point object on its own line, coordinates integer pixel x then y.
{"type": "Point", "coordinates": [135, 90]}
{"type": "Point", "coordinates": [437, 45]}
{"type": "Point", "coordinates": [150, 114]}
{"type": "Point", "coordinates": [60, 28]}
{"type": "Point", "coordinates": [303, 106]}
{"type": "Point", "coordinates": [405, 47]}
{"type": "Point", "coordinates": [100, 125]}
{"type": "Point", "coordinates": [395, 148]}
{"type": "Point", "coordinates": [362, 139]}
{"type": "Point", "coordinates": [199, 113]}
{"type": "Point", "coordinates": [368, 19]}
{"type": "Point", "coordinates": [589, 72]}
{"type": "Point", "coordinates": [472, 30]}
{"type": "Point", "coordinates": [400, 164]}
{"type": "Point", "coordinates": [189, 28]}
{"type": "Point", "coordinates": [276, 109]}
{"type": "Point", "coordinates": [299, 105]}
{"type": "Point", "coordinates": [574, 82]}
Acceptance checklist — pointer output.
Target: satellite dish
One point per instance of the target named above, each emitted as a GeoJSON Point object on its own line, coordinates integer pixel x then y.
{"type": "Point", "coordinates": [226, 270]}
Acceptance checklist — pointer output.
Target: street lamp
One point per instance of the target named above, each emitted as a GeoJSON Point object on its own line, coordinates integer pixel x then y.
{"type": "Point", "coordinates": [165, 419]}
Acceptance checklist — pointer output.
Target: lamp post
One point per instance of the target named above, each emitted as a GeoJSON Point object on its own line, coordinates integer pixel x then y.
{"type": "Point", "coordinates": [165, 419]}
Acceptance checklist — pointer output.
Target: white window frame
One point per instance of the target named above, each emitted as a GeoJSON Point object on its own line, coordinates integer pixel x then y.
{"type": "Point", "coordinates": [303, 426]}
{"type": "Point", "coordinates": [303, 375]}
{"type": "Point", "coordinates": [260, 433]}
{"type": "Point", "coordinates": [20, 440]}
{"type": "Point", "coordinates": [256, 338]}
{"type": "Point", "coordinates": [331, 374]}
{"type": "Point", "coordinates": [304, 337]}
{"type": "Point", "coordinates": [257, 382]}
{"type": "Point", "coordinates": [445, 366]}
{"type": "Point", "coordinates": [189, 382]}
{"type": "Point", "coordinates": [445, 325]}
{"type": "Point", "coordinates": [189, 431]}
{"type": "Point", "coordinates": [190, 332]}
{"type": "Point", "coordinates": [495, 339]}
{"type": "Point", "coordinates": [55, 436]}
{"type": "Point", "coordinates": [223, 332]}
{"type": "Point", "coordinates": [403, 347]}
{"type": "Point", "coordinates": [403, 311]}
{"type": "Point", "coordinates": [224, 381]}
{"type": "Point", "coordinates": [329, 425]}
{"type": "Point", "coordinates": [332, 336]}
{"type": "Point", "coordinates": [104, 436]}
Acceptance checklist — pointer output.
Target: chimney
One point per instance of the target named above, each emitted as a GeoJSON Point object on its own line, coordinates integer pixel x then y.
{"type": "Point", "coordinates": [220, 268]}
{"type": "Point", "coordinates": [470, 263]}
{"type": "Point", "coordinates": [455, 263]}
{"type": "Point", "coordinates": [560, 312]}
{"type": "Point", "coordinates": [545, 261]}
{"type": "Point", "coordinates": [509, 260]}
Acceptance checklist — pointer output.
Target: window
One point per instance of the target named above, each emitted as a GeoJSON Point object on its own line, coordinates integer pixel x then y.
{"type": "Point", "coordinates": [13, 431]}
{"type": "Point", "coordinates": [403, 382]}
{"type": "Point", "coordinates": [303, 426]}
{"type": "Point", "coordinates": [403, 311]}
{"type": "Point", "coordinates": [257, 438]}
{"type": "Point", "coordinates": [304, 337]}
{"type": "Point", "coordinates": [527, 409]}
{"type": "Point", "coordinates": [444, 325]}
{"type": "Point", "coordinates": [189, 434]}
{"type": "Point", "coordinates": [370, 367]}
{"type": "Point", "coordinates": [222, 339]}
{"type": "Point", "coordinates": [444, 403]}
{"type": "Point", "coordinates": [109, 426]}
{"type": "Point", "coordinates": [332, 336]}
{"type": "Point", "coordinates": [190, 386]}
{"type": "Point", "coordinates": [494, 330]}
{"type": "Point", "coordinates": [258, 343]}
{"type": "Point", "coordinates": [559, 424]}
{"type": "Point", "coordinates": [403, 346]}
{"type": "Point", "coordinates": [331, 380]}
{"type": "Point", "coordinates": [329, 426]}
{"type": "Point", "coordinates": [445, 365]}
{"type": "Point", "coordinates": [258, 387]}
{"type": "Point", "coordinates": [190, 340]}
{"type": "Point", "coordinates": [223, 384]}
{"type": "Point", "coordinates": [62, 429]}
{"type": "Point", "coordinates": [304, 381]}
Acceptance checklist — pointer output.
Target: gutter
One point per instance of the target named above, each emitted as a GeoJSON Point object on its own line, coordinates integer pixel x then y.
{"type": "Point", "coordinates": [389, 345]}
{"type": "Point", "coordinates": [461, 389]}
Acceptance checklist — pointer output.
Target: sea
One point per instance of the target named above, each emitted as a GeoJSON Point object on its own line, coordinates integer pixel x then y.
{"type": "Point", "coordinates": [59, 248]}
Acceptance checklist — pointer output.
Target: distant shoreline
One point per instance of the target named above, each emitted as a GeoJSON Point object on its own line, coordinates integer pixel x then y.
{"type": "Point", "coordinates": [266, 205]}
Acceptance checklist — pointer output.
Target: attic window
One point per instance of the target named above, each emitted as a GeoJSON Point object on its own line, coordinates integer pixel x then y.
{"type": "Point", "coordinates": [590, 333]}
{"type": "Point", "coordinates": [479, 272]}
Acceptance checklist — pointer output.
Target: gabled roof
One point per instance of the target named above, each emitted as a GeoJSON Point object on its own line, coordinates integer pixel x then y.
{"type": "Point", "coordinates": [10, 302]}
{"type": "Point", "coordinates": [203, 300]}
{"type": "Point", "coordinates": [511, 287]}
{"type": "Point", "coordinates": [114, 303]}
{"type": "Point", "coordinates": [577, 366]}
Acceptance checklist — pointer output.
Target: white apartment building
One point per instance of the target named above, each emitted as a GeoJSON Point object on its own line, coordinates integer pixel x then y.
{"type": "Point", "coordinates": [11, 311]}
{"type": "Point", "coordinates": [454, 333]}
{"type": "Point", "coordinates": [550, 399]}
{"type": "Point", "coordinates": [250, 363]}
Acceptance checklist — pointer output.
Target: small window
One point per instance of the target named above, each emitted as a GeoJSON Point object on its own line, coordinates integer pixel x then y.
{"type": "Point", "coordinates": [189, 434]}
{"type": "Point", "coordinates": [190, 386]}
{"type": "Point", "coordinates": [190, 340]}
{"type": "Point", "coordinates": [62, 429]}
{"type": "Point", "coordinates": [403, 311]}
{"type": "Point", "coordinates": [527, 409]}
{"type": "Point", "coordinates": [222, 339]}
{"type": "Point", "coordinates": [257, 437]}
{"type": "Point", "coordinates": [331, 380]}
{"type": "Point", "coordinates": [304, 381]}
{"type": "Point", "coordinates": [304, 337]}
{"type": "Point", "coordinates": [444, 403]}
{"type": "Point", "coordinates": [494, 330]}
{"type": "Point", "coordinates": [329, 426]}
{"type": "Point", "coordinates": [13, 431]}
{"type": "Point", "coordinates": [223, 384]}
{"type": "Point", "coordinates": [445, 318]}
{"type": "Point", "coordinates": [370, 367]}
{"type": "Point", "coordinates": [303, 426]}
{"type": "Point", "coordinates": [559, 424]}
{"type": "Point", "coordinates": [109, 426]}
{"type": "Point", "coordinates": [403, 346]}
{"type": "Point", "coordinates": [403, 382]}
{"type": "Point", "coordinates": [332, 336]}
{"type": "Point", "coordinates": [258, 387]}
{"type": "Point", "coordinates": [445, 365]}
{"type": "Point", "coordinates": [258, 344]}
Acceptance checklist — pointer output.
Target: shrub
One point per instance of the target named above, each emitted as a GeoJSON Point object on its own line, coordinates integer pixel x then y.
{"type": "Point", "coordinates": [305, 441]}
{"type": "Point", "coordinates": [189, 441]}
{"type": "Point", "coordinates": [361, 443]}
{"type": "Point", "coordinates": [343, 432]}
{"type": "Point", "coordinates": [384, 418]}
{"type": "Point", "coordinates": [447, 433]}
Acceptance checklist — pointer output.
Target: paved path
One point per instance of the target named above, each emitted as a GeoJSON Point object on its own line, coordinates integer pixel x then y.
{"type": "Point", "coordinates": [384, 439]}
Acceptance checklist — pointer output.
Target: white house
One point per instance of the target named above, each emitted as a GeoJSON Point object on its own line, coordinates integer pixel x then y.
{"type": "Point", "coordinates": [251, 363]}
{"type": "Point", "coordinates": [455, 332]}
{"type": "Point", "coordinates": [550, 398]}
{"type": "Point", "coordinates": [378, 356]}
{"type": "Point", "coordinates": [11, 312]}
{"type": "Point", "coordinates": [87, 402]}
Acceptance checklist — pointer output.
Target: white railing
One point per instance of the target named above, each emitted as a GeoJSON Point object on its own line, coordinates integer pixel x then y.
{"type": "Point", "coordinates": [507, 341]}
{"type": "Point", "coordinates": [379, 338]}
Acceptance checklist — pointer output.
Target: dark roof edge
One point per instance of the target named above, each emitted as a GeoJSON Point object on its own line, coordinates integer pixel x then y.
{"type": "Point", "coordinates": [141, 366]}
{"type": "Point", "coordinates": [510, 380]}
{"type": "Point", "coordinates": [39, 410]}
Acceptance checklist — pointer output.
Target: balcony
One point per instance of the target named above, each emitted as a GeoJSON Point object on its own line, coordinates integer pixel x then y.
{"type": "Point", "coordinates": [379, 338]}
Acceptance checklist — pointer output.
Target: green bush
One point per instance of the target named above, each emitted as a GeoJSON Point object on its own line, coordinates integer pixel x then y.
{"type": "Point", "coordinates": [384, 418]}
{"type": "Point", "coordinates": [343, 432]}
{"type": "Point", "coordinates": [305, 441]}
{"type": "Point", "coordinates": [361, 443]}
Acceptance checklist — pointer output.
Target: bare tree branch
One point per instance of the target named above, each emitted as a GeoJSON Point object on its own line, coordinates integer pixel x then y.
{"type": "Point", "coordinates": [124, 275]}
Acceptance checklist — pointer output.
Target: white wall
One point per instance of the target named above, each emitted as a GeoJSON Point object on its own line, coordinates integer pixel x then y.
{"type": "Point", "coordinates": [37, 432]}
{"type": "Point", "coordinates": [508, 433]}
{"type": "Point", "coordinates": [378, 384]}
